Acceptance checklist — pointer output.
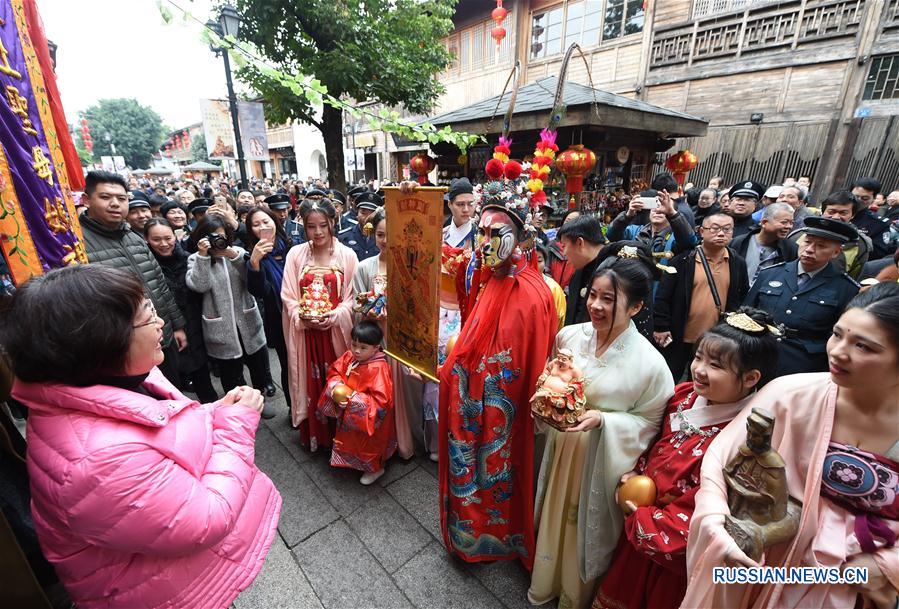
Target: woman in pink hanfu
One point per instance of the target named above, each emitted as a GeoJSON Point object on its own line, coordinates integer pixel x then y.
{"type": "Point", "coordinates": [838, 434]}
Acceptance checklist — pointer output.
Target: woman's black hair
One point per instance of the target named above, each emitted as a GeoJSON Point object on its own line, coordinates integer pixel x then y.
{"type": "Point", "coordinates": [50, 341]}
{"type": "Point", "coordinates": [882, 301]}
{"type": "Point", "coordinates": [377, 216]}
{"type": "Point", "coordinates": [633, 276]}
{"type": "Point", "coordinates": [367, 332]}
{"type": "Point", "coordinates": [322, 206]}
{"type": "Point", "coordinates": [742, 350]}
{"type": "Point", "coordinates": [209, 224]}
{"type": "Point", "coordinates": [156, 222]}
{"type": "Point", "coordinates": [251, 239]}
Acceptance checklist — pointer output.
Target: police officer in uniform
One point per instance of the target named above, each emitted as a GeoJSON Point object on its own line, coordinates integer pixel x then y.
{"type": "Point", "coordinates": [354, 235]}
{"type": "Point", "coordinates": [351, 195]}
{"type": "Point", "coordinates": [807, 296]}
{"type": "Point", "coordinates": [867, 222]}
{"type": "Point", "coordinates": [279, 205]}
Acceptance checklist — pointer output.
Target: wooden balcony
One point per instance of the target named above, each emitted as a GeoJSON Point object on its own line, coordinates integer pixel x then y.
{"type": "Point", "coordinates": [786, 27]}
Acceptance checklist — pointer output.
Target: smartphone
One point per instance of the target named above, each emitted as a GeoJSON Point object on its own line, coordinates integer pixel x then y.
{"type": "Point", "coordinates": [649, 202]}
{"type": "Point", "coordinates": [266, 233]}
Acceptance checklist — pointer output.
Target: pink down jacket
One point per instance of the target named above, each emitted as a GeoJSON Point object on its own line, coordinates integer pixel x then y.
{"type": "Point", "coordinates": [147, 503]}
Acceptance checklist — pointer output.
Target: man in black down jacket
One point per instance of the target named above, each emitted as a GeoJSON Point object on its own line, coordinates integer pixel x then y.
{"type": "Point", "coordinates": [109, 240]}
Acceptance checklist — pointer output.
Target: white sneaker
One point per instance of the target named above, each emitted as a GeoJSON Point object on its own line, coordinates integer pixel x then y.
{"type": "Point", "coordinates": [433, 457]}
{"type": "Point", "coordinates": [367, 479]}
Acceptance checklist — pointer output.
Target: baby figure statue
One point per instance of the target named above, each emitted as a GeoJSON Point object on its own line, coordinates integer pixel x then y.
{"type": "Point", "coordinates": [559, 399]}
{"type": "Point", "coordinates": [316, 302]}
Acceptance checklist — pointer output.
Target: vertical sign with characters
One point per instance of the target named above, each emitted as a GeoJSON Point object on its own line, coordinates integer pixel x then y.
{"type": "Point", "coordinates": [414, 237]}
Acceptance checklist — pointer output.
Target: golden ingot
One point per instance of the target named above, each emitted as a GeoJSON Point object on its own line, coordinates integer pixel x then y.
{"type": "Point", "coordinates": [341, 393]}
{"type": "Point", "coordinates": [640, 490]}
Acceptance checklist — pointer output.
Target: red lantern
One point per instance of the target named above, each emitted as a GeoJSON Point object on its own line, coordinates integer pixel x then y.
{"type": "Point", "coordinates": [681, 164]}
{"type": "Point", "coordinates": [422, 165]}
{"type": "Point", "coordinates": [575, 163]}
{"type": "Point", "coordinates": [498, 15]}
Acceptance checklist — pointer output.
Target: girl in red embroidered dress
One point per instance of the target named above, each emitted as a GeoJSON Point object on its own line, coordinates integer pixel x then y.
{"type": "Point", "coordinates": [732, 360]}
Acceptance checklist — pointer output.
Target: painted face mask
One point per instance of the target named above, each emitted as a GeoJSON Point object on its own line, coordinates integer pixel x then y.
{"type": "Point", "coordinates": [497, 238]}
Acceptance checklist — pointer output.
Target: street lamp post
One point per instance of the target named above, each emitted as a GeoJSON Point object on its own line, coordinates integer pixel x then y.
{"type": "Point", "coordinates": [229, 25]}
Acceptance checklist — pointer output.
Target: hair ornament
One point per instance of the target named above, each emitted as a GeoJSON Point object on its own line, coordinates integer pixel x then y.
{"type": "Point", "coordinates": [742, 321]}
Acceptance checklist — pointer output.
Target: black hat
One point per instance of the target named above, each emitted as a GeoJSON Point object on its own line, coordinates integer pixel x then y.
{"type": "Point", "coordinates": [278, 201]}
{"type": "Point", "coordinates": [460, 186]}
{"type": "Point", "coordinates": [368, 200]}
{"type": "Point", "coordinates": [337, 196]}
{"type": "Point", "coordinates": [829, 228]}
{"type": "Point", "coordinates": [355, 191]}
{"type": "Point", "coordinates": [750, 189]}
{"type": "Point", "coordinates": [316, 192]}
{"type": "Point", "coordinates": [169, 206]}
{"type": "Point", "coordinates": [199, 205]}
{"type": "Point", "coordinates": [157, 200]}
{"type": "Point", "coordinates": [138, 199]}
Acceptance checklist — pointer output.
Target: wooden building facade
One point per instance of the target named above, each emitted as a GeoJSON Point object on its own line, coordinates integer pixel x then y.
{"type": "Point", "coordinates": [789, 87]}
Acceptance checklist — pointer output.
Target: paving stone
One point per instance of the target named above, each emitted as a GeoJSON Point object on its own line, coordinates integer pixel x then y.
{"type": "Point", "coordinates": [396, 469]}
{"type": "Point", "coordinates": [417, 492]}
{"type": "Point", "coordinates": [280, 584]}
{"type": "Point", "coordinates": [305, 509]}
{"type": "Point", "coordinates": [338, 484]}
{"type": "Point", "coordinates": [389, 532]}
{"type": "Point", "coordinates": [288, 436]}
{"type": "Point", "coordinates": [429, 466]}
{"type": "Point", "coordinates": [434, 580]}
{"type": "Point", "coordinates": [344, 574]}
{"type": "Point", "coordinates": [508, 581]}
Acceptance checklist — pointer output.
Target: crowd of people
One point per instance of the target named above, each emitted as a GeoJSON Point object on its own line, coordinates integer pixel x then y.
{"type": "Point", "coordinates": [666, 330]}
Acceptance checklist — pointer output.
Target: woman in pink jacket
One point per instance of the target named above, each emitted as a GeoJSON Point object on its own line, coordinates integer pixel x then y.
{"type": "Point", "coordinates": [141, 497]}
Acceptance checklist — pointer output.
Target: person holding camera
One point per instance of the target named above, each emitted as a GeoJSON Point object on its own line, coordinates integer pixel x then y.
{"type": "Point", "coordinates": [653, 219]}
{"type": "Point", "coordinates": [232, 324]}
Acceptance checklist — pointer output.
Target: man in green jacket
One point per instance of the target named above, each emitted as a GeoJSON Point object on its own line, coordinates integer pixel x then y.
{"type": "Point", "coordinates": [109, 240]}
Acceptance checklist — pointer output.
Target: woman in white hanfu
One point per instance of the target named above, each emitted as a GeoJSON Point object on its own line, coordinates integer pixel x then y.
{"type": "Point", "coordinates": [628, 386]}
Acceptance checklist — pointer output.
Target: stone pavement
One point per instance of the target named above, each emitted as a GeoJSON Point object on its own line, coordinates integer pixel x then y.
{"type": "Point", "coordinates": [342, 545]}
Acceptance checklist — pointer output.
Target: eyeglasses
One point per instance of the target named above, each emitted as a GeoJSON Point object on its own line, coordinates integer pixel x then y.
{"type": "Point", "coordinates": [155, 316]}
{"type": "Point", "coordinates": [718, 229]}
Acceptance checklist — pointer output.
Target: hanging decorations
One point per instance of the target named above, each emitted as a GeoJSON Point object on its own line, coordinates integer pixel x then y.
{"type": "Point", "coordinates": [498, 33]}
{"type": "Point", "coordinates": [574, 164]}
{"type": "Point", "coordinates": [681, 164]}
{"type": "Point", "coordinates": [422, 165]}
{"type": "Point", "coordinates": [544, 155]}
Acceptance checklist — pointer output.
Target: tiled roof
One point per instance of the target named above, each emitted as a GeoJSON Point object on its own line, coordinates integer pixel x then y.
{"type": "Point", "coordinates": [538, 97]}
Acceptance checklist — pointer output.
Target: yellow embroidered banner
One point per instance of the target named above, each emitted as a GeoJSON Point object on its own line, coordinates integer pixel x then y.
{"type": "Point", "coordinates": [414, 237]}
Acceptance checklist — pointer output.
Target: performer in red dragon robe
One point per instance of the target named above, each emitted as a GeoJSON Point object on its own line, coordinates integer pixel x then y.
{"type": "Point", "coordinates": [486, 430]}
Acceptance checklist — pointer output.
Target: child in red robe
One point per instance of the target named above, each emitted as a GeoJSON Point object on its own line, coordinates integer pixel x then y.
{"type": "Point", "coordinates": [365, 436]}
{"type": "Point", "coordinates": [732, 361]}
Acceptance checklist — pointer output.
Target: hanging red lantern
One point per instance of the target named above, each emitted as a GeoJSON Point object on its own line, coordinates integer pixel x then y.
{"type": "Point", "coordinates": [575, 163]}
{"type": "Point", "coordinates": [499, 15]}
{"type": "Point", "coordinates": [681, 164]}
{"type": "Point", "coordinates": [422, 165]}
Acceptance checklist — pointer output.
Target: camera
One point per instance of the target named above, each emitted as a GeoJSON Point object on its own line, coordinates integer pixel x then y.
{"type": "Point", "coordinates": [217, 241]}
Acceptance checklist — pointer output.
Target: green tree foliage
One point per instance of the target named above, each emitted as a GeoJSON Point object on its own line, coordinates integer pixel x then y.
{"type": "Point", "coordinates": [380, 50]}
{"type": "Point", "coordinates": [135, 130]}
{"type": "Point", "coordinates": [198, 150]}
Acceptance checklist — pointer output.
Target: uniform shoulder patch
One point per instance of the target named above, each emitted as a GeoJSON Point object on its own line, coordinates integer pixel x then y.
{"type": "Point", "coordinates": [345, 230]}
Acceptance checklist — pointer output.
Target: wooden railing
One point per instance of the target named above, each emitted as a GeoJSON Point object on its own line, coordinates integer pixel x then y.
{"type": "Point", "coordinates": [763, 28]}
{"type": "Point", "coordinates": [891, 14]}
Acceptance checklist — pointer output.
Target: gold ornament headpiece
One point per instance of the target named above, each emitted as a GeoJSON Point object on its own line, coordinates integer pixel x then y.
{"type": "Point", "coordinates": [742, 321]}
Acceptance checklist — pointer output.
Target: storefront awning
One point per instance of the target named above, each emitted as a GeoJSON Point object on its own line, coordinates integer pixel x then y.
{"type": "Point", "coordinates": [535, 101]}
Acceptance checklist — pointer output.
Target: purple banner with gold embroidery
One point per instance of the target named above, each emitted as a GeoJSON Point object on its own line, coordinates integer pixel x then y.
{"type": "Point", "coordinates": [38, 227]}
